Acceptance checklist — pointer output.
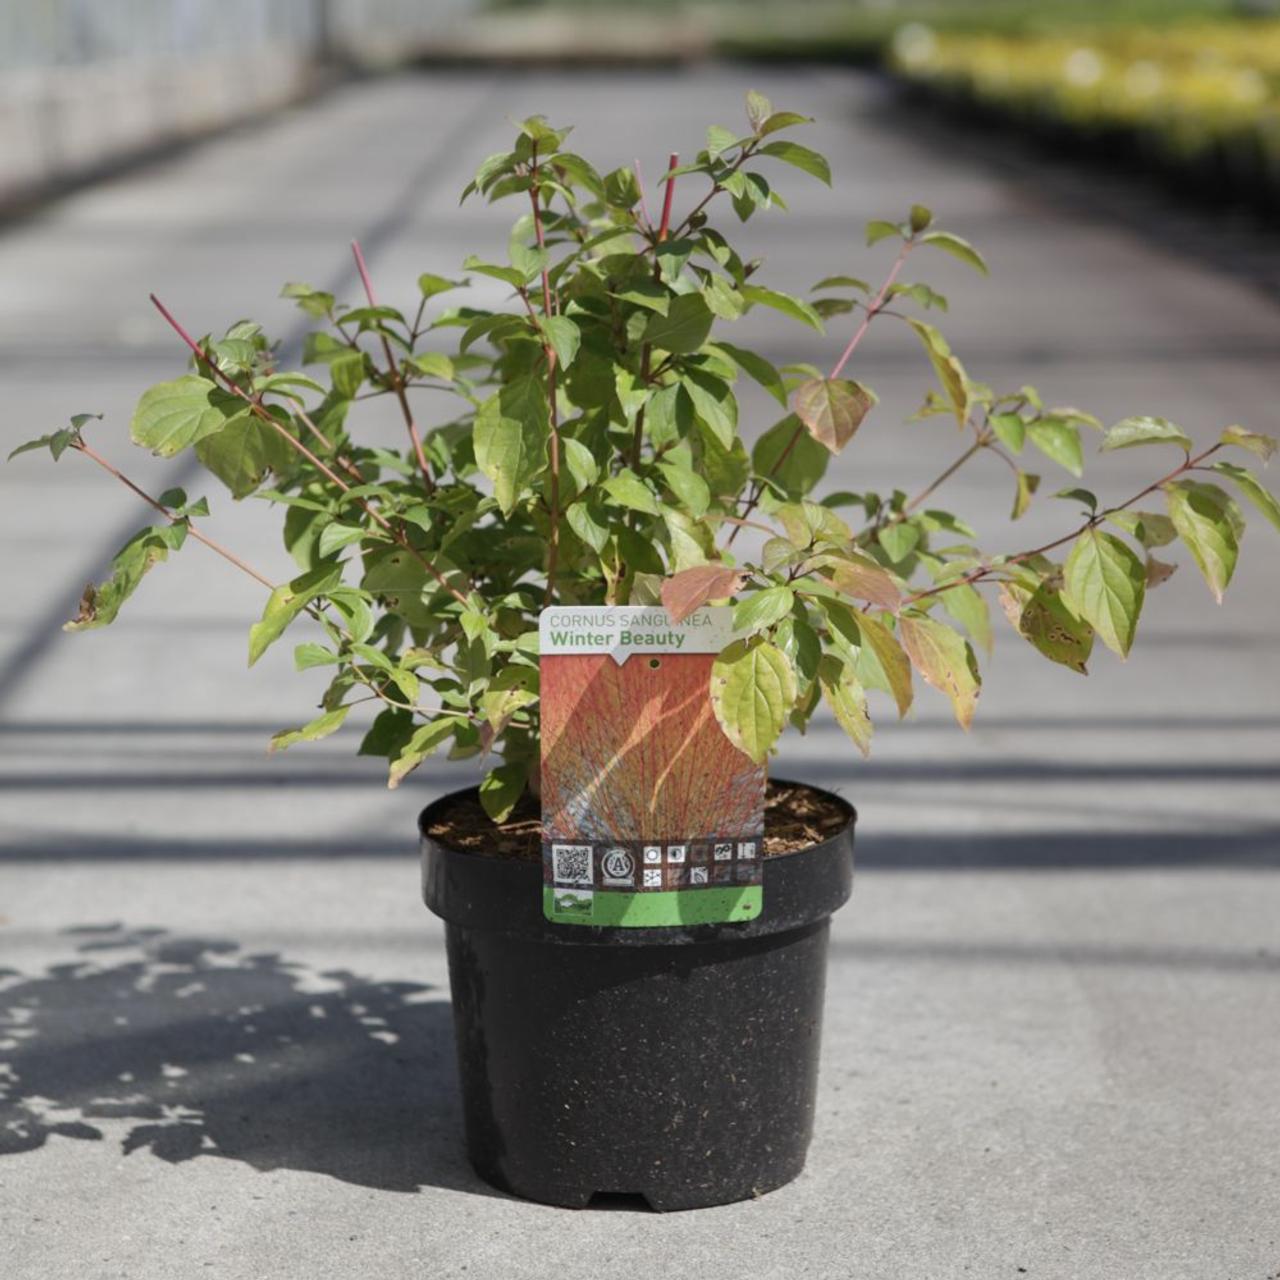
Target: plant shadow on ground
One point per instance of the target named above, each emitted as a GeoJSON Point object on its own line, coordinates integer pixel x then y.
{"type": "Point", "coordinates": [203, 1050]}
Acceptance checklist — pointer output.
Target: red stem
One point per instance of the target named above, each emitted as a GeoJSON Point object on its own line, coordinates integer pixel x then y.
{"type": "Point", "coordinates": [672, 163]}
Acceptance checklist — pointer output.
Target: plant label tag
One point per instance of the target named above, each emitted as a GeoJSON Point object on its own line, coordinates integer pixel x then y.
{"type": "Point", "coordinates": [651, 817]}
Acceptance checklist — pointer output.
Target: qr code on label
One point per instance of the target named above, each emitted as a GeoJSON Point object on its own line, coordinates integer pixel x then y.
{"type": "Point", "coordinates": [571, 863]}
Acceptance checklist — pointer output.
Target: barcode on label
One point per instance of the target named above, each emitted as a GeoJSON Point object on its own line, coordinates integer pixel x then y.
{"type": "Point", "coordinates": [571, 863]}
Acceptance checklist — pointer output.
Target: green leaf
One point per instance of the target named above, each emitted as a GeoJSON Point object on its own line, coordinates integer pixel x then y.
{"type": "Point", "coordinates": [321, 727]}
{"type": "Point", "coordinates": [720, 140]}
{"type": "Point", "coordinates": [833, 409]}
{"type": "Point", "coordinates": [628, 490]}
{"type": "Point", "coordinates": [878, 230]}
{"type": "Point", "coordinates": [1150, 528]}
{"type": "Point", "coordinates": [1135, 431]}
{"type": "Point", "coordinates": [688, 486]}
{"type": "Point", "coordinates": [285, 603]}
{"type": "Point", "coordinates": [336, 536]}
{"type": "Point", "coordinates": [315, 302]}
{"type": "Point", "coordinates": [713, 402]}
{"type": "Point", "coordinates": [429, 285]}
{"type": "Point", "coordinates": [423, 743]}
{"type": "Point", "coordinates": [508, 275]}
{"type": "Point", "coordinates": [1105, 584]}
{"type": "Point", "coordinates": [847, 699]}
{"type": "Point", "coordinates": [899, 539]}
{"type": "Point", "coordinates": [796, 308]}
{"type": "Point", "coordinates": [758, 368]}
{"type": "Point", "coordinates": [172, 415]}
{"type": "Point", "coordinates": [580, 463]}
{"type": "Point", "coordinates": [951, 374]}
{"type": "Point", "coordinates": [945, 660]}
{"type": "Point", "coordinates": [100, 604]}
{"type": "Point", "coordinates": [685, 326]}
{"type": "Point", "coordinates": [783, 120]}
{"type": "Point", "coordinates": [1261, 445]}
{"type": "Point", "coordinates": [842, 282]}
{"type": "Point", "coordinates": [759, 611]}
{"type": "Point", "coordinates": [502, 787]}
{"type": "Point", "coordinates": [1059, 441]}
{"type": "Point", "coordinates": [1085, 497]}
{"type": "Point", "coordinates": [967, 605]}
{"type": "Point", "coordinates": [306, 656]}
{"type": "Point", "coordinates": [793, 153]}
{"type": "Point", "coordinates": [957, 248]}
{"type": "Point", "coordinates": [1252, 489]}
{"type": "Point", "coordinates": [1027, 485]}
{"type": "Point", "coordinates": [511, 433]}
{"type": "Point", "coordinates": [921, 218]}
{"type": "Point", "coordinates": [808, 522]}
{"type": "Point", "coordinates": [1010, 430]}
{"type": "Point", "coordinates": [431, 364]}
{"type": "Point", "coordinates": [1210, 524]}
{"type": "Point", "coordinates": [243, 452]}
{"type": "Point", "coordinates": [753, 688]}
{"type": "Point", "coordinates": [589, 524]}
{"type": "Point", "coordinates": [388, 734]}
{"type": "Point", "coordinates": [789, 457]}
{"type": "Point", "coordinates": [286, 382]}
{"type": "Point", "coordinates": [564, 336]}
{"type": "Point", "coordinates": [57, 442]}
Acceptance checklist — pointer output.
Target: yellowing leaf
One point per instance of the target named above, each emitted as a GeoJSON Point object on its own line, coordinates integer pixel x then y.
{"type": "Point", "coordinates": [1253, 489]}
{"type": "Point", "coordinates": [1135, 431]}
{"type": "Point", "coordinates": [882, 662]}
{"type": "Point", "coordinates": [951, 374]}
{"type": "Point", "coordinates": [847, 699]}
{"type": "Point", "coordinates": [945, 660]}
{"type": "Point", "coordinates": [753, 688]}
{"type": "Point", "coordinates": [1209, 523]}
{"type": "Point", "coordinates": [1262, 446]}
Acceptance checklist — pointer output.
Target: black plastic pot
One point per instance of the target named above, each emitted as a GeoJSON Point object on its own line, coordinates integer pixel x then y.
{"type": "Point", "coordinates": [678, 1064]}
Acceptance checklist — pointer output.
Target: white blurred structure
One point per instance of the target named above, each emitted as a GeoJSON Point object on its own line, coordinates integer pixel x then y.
{"type": "Point", "coordinates": [85, 83]}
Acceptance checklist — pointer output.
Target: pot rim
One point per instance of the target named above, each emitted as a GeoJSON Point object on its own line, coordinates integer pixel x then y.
{"type": "Point", "coordinates": [429, 812]}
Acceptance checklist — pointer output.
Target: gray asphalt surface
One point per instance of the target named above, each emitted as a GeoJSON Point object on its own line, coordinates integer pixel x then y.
{"type": "Point", "coordinates": [1053, 1038]}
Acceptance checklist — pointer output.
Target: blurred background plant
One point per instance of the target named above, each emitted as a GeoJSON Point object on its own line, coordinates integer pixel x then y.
{"type": "Point", "coordinates": [1183, 87]}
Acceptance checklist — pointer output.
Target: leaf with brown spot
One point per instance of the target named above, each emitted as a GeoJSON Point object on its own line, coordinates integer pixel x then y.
{"type": "Point", "coordinates": [1158, 571]}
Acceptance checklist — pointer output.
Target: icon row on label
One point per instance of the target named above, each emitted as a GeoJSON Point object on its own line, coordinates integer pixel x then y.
{"type": "Point", "coordinates": [676, 854]}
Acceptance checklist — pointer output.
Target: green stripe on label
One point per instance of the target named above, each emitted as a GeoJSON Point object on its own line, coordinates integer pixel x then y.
{"type": "Point", "coordinates": [617, 909]}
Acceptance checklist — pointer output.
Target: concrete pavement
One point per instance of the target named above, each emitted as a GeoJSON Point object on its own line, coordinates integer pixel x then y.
{"type": "Point", "coordinates": [1053, 1008]}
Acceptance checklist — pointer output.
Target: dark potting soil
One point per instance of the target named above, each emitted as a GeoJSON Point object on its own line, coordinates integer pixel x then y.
{"type": "Point", "coordinates": [795, 817]}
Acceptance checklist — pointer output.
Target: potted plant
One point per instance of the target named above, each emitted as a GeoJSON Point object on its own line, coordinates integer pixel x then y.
{"type": "Point", "coordinates": [595, 457]}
